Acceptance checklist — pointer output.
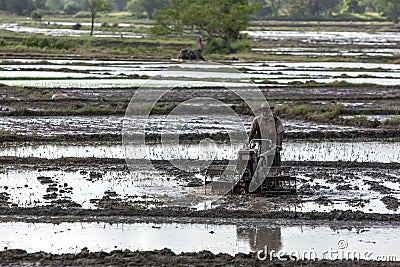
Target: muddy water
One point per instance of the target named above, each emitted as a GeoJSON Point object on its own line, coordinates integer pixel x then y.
{"type": "Point", "coordinates": [182, 124]}
{"type": "Point", "coordinates": [293, 151]}
{"type": "Point", "coordinates": [386, 39]}
{"type": "Point", "coordinates": [339, 189]}
{"type": "Point", "coordinates": [47, 74]}
{"type": "Point", "coordinates": [111, 83]}
{"type": "Point", "coordinates": [257, 71]}
{"type": "Point", "coordinates": [334, 51]}
{"type": "Point", "coordinates": [27, 188]}
{"type": "Point", "coordinates": [231, 238]}
{"type": "Point", "coordinates": [14, 27]}
{"type": "Point", "coordinates": [151, 65]}
{"type": "Point", "coordinates": [380, 118]}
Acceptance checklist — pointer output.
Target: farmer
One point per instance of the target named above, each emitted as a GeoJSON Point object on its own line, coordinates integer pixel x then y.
{"type": "Point", "coordinates": [265, 126]}
{"type": "Point", "coordinates": [200, 50]}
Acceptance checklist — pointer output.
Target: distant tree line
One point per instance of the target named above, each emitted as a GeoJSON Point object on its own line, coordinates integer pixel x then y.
{"type": "Point", "coordinates": [69, 7]}
{"type": "Point", "coordinates": [266, 9]}
{"type": "Point", "coordinates": [324, 9]}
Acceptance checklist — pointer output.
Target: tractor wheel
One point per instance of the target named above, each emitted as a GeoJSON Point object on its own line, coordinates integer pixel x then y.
{"type": "Point", "coordinates": [242, 191]}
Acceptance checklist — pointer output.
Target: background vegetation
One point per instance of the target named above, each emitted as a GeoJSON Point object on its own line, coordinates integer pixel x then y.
{"type": "Point", "coordinates": [267, 9]}
{"type": "Point", "coordinates": [219, 22]}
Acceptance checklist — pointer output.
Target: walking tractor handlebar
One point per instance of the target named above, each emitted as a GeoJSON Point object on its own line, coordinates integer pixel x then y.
{"type": "Point", "coordinates": [261, 144]}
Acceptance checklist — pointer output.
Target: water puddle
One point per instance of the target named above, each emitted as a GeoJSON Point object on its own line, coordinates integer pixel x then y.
{"type": "Point", "coordinates": [384, 152]}
{"type": "Point", "coordinates": [332, 188]}
{"type": "Point", "coordinates": [333, 38]}
{"type": "Point", "coordinates": [280, 65]}
{"type": "Point", "coordinates": [377, 81]}
{"type": "Point", "coordinates": [380, 118]}
{"type": "Point", "coordinates": [230, 238]}
{"type": "Point", "coordinates": [14, 27]}
{"type": "Point", "coordinates": [48, 74]}
{"type": "Point", "coordinates": [182, 124]}
{"type": "Point", "coordinates": [180, 72]}
{"type": "Point", "coordinates": [112, 83]}
{"type": "Point", "coordinates": [332, 52]}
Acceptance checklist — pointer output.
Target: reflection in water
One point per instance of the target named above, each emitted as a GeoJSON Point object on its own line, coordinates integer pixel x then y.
{"type": "Point", "coordinates": [261, 236]}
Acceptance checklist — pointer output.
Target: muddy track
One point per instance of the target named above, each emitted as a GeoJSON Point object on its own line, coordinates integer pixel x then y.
{"type": "Point", "coordinates": [339, 175]}
{"type": "Point", "coordinates": [164, 257]}
{"type": "Point", "coordinates": [90, 215]}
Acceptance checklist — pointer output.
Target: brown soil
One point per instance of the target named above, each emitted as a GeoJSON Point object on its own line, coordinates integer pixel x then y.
{"type": "Point", "coordinates": [164, 257]}
{"type": "Point", "coordinates": [35, 102]}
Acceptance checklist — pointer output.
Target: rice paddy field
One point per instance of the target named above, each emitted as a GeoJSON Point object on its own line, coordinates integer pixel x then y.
{"type": "Point", "coordinates": [104, 154]}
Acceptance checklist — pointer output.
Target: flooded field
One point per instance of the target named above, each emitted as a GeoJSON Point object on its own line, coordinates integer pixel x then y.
{"type": "Point", "coordinates": [67, 32]}
{"type": "Point", "coordinates": [76, 73]}
{"type": "Point", "coordinates": [90, 152]}
{"type": "Point", "coordinates": [90, 125]}
{"type": "Point", "coordinates": [216, 238]}
{"type": "Point", "coordinates": [385, 152]}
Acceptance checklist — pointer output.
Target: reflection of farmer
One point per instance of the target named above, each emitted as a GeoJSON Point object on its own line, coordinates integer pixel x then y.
{"type": "Point", "coordinates": [265, 126]}
{"type": "Point", "coordinates": [200, 50]}
{"type": "Point", "coordinates": [261, 236]}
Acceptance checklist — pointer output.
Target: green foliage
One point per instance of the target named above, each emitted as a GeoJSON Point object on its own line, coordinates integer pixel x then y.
{"type": "Point", "coordinates": [44, 42]}
{"type": "Point", "coordinates": [323, 114]}
{"type": "Point", "coordinates": [329, 112]}
{"type": "Point", "coordinates": [355, 119]}
{"type": "Point", "coordinates": [37, 14]}
{"type": "Point", "coordinates": [296, 10]}
{"type": "Point", "coordinates": [352, 6]}
{"type": "Point", "coordinates": [214, 18]}
{"type": "Point", "coordinates": [389, 8]}
{"type": "Point", "coordinates": [392, 121]}
{"type": "Point", "coordinates": [72, 8]}
{"type": "Point", "coordinates": [267, 8]}
{"type": "Point", "coordinates": [19, 7]}
{"type": "Point", "coordinates": [96, 6]}
{"type": "Point", "coordinates": [83, 14]}
{"type": "Point", "coordinates": [149, 7]}
{"type": "Point", "coordinates": [218, 46]}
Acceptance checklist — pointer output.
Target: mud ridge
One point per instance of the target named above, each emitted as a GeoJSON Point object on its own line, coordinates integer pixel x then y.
{"type": "Point", "coordinates": [219, 212]}
{"type": "Point", "coordinates": [163, 257]}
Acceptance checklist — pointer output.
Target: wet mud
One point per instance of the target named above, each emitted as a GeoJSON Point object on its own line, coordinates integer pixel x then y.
{"type": "Point", "coordinates": [164, 257]}
{"type": "Point", "coordinates": [77, 189]}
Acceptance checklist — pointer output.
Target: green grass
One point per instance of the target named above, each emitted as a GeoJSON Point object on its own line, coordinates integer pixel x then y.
{"type": "Point", "coordinates": [392, 121]}
{"type": "Point", "coordinates": [356, 119]}
{"type": "Point", "coordinates": [86, 110]}
{"type": "Point", "coordinates": [325, 113]}
{"type": "Point", "coordinates": [157, 47]}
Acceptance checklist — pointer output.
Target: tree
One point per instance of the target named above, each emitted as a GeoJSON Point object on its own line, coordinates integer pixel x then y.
{"type": "Point", "coordinates": [216, 18]}
{"type": "Point", "coordinates": [96, 6]}
{"type": "Point", "coordinates": [352, 6]}
{"type": "Point", "coordinates": [19, 7]}
{"type": "Point", "coordinates": [137, 7]}
{"type": "Point", "coordinates": [119, 5]}
{"type": "Point", "coordinates": [40, 4]}
{"type": "Point", "coordinates": [267, 7]}
{"type": "Point", "coordinates": [296, 9]}
{"type": "Point", "coordinates": [54, 5]}
{"type": "Point", "coordinates": [71, 8]}
{"type": "Point", "coordinates": [327, 7]}
{"type": "Point", "coordinates": [389, 8]}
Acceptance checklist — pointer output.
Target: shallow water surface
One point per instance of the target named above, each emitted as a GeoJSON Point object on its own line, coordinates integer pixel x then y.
{"type": "Point", "coordinates": [385, 152]}
{"type": "Point", "coordinates": [179, 237]}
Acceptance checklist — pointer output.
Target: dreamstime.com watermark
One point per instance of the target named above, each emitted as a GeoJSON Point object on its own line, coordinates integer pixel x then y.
{"type": "Point", "coordinates": [340, 252]}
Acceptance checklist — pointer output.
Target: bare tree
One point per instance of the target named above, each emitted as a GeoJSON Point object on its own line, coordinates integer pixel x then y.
{"type": "Point", "coordinates": [96, 6]}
